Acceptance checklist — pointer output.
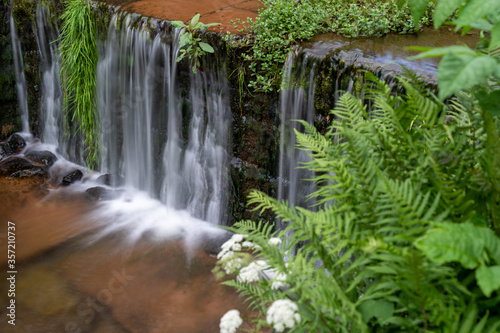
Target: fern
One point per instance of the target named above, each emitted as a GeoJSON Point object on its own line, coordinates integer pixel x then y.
{"type": "Point", "coordinates": [385, 176]}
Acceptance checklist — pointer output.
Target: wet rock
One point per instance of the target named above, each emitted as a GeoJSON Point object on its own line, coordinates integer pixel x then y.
{"type": "Point", "coordinates": [16, 142]}
{"type": "Point", "coordinates": [18, 167]}
{"type": "Point", "coordinates": [111, 180]}
{"type": "Point", "coordinates": [14, 145]}
{"type": "Point", "coordinates": [72, 177]}
{"type": "Point", "coordinates": [44, 157]}
{"type": "Point", "coordinates": [100, 193]}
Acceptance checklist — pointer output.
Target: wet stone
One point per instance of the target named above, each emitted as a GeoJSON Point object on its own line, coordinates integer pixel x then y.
{"type": "Point", "coordinates": [111, 180]}
{"type": "Point", "coordinates": [72, 177]}
{"type": "Point", "coordinates": [44, 157]}
{"type": "Point", "coordinates": [100, 193]}
{"type": "Point", "coordinates": [18, 167]}
{"type": "Point", "coordinates": [16, 142]}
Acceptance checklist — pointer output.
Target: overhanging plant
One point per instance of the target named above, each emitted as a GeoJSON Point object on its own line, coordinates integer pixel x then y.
{"type": "Point", "coordinates": [191, 45]}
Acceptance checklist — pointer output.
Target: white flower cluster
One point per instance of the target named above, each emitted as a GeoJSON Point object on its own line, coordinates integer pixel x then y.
{"type": "Point", "coordinates": [283, 314]}
{"type": "Point", "coordinates": [279, 281]}
{"type": "Point", "coordinates": [251, 273]}
{"type": "Point", "coordinates": [274, 241]}
{"type": "Point", "coordinates": [230, 321]}
{"type": "Point", "coordinates": [233, 244]}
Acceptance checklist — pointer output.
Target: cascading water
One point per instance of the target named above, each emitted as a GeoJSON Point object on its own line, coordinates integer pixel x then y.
{"type": "Point", "coordinates": [22, 94]}
{"type": "Point", "coordinates": [144, 121]}
{"type": "Point", "coordinates": [296, 103]}
{"type": "Point", "coordinates": [51, 103]}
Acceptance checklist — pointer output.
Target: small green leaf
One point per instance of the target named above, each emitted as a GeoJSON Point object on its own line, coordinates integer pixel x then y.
{"type": "Point", "coordinates": [444, 9]}
{"type": "Point", "coordinates": [209, 25]}
{"type": "Point", "coordinates": [488, 279]}
{"type": "Point", "coordinates": [417, 9]}
{"type": "Point", "coordinates": [428, 52]}
{"type": "Point", "coordinates": [462, 71]}
{"type": "Point", "coordinates": [495, 37]}
{"type": "Point", "coordinates": [206, 47]}
{"type": "Point", "coordinates": [194, 20]}
{"type": "Point", "coordinates": [178, 24]}
{"type": "Point", "coordinates": [185, 39]}
{"type": "Point", "coordinates": [474, 10]}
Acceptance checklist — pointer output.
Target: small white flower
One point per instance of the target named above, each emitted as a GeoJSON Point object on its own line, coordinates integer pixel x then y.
{"type": "Point", "coordinates": [283, 314]}
{"type": "Point", "coordinates": [233, 244]}
{"type": "Point", "coordinates": [233, 265]}
{"type": "Point", "coordinates": [275, 241]}
{"type": "Point", "coordinates": [247, 244]}
{"type": "Point", "coordinates": [230, 321]}
{"type": "Point", "coordinates": [279, 281]}
{"type": "Point", "coordinates": [251, 273]}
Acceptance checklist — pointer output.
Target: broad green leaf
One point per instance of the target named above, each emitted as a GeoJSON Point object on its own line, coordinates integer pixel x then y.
{"type": "Point", "coordinates": [417, 9]}
{"type": "Point", "coordinates": [489, 102]}
{"type": "Point", "coordinates": [194, 20]}
{"type": "Point", "coordinates": [206, 47]}
{"type": "Point", "coordinates": [488, 279]}
{"type": "Point", "coordinates": [462, 71]}
{"type": "Point", "coordinates": [198, 25]}
{"type": "Point", "coordinates": [428, 52]}
{"type": "Point", "coordinates": [481, 24]}
{"type": "Point", "coordinates": [380, 309]}
{"type": "Point", "coordinates": [453, 242]}
{"type": "Point", "coordinates": [443, 11]}
{"type": "Point", "coordinates": [495, 37]}
{"type": "Point", "coordinates": [178, 24]}
{"type": "Point", "coordinates": [474, 10]}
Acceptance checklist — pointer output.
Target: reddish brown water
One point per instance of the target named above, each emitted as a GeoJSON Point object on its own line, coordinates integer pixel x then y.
{"type": "Point", "coordinates": [69, 280]}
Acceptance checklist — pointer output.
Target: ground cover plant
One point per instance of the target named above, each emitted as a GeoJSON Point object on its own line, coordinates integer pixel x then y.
{"type": "Point", "coordinates": [284, 23]}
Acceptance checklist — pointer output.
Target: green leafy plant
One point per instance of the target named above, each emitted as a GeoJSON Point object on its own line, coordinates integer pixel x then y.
{"type": "Point", "coordinates": [364, 259]}
{"type": "Point", "coordinates": [190, 43]}
{"type": "Point", "coordinates": [78, 49]}
{"type": "Point", "coordinates": [283, 24]}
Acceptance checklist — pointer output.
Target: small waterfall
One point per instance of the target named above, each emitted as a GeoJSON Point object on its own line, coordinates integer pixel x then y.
{"type": "Point", "coordinates": [171, 146]}
{"type": "Point", "coordinates": [22, 93]}
{"type": "Point", "coordinates": [51, 103]}
{"type": "Point", "coordinates": [296, 103]}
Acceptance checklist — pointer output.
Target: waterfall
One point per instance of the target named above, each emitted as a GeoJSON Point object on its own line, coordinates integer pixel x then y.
{"type": "Point", "coordinates": [51, 101]}
{"type": "Point", "coordinates": [22, 93]}
{"type": "Point", "coordinates": [296, 103]}
{"type": "Point", "coordinates": [163, 142]}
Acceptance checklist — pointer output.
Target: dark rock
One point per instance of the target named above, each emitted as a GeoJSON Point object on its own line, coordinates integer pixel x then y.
{"type": "Point", "coordinates": [100, 193]}
{"type": "Point", "coordinates": [19, 167]}
{"type": "Point", "coordinates": [111, 180]}
{"type": "Point", "coordinates": [72, 177]}
{"type": "Point", "coordinates": [16, 142]}
{"type": "Point", "coordinates": [5, 149]}
{"type": "Point", "coordinates": [44, 157]}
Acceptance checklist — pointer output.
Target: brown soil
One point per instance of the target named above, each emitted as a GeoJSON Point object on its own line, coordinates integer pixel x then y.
{"type": "Point", "coordinates": [211, 11]}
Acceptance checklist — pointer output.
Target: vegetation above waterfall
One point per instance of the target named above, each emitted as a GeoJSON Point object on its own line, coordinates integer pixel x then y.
{"type": "Point", "coordinates": [405, 235]}
{"type": "Point", "coordinates": [284, 23]}
{"type": "Point", "coordinates": [78, 49]}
